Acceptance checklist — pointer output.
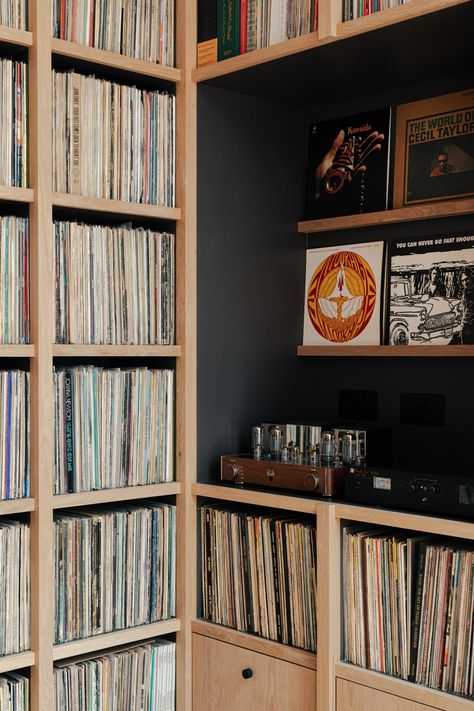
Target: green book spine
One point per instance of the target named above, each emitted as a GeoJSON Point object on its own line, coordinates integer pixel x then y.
{"type": "Point", "coordinates": [228, 29]}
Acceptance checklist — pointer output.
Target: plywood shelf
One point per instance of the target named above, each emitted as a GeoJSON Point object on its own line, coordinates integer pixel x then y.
{"type": "Point", "coordinates": [257, 644]}
{"type": "Point", "coordinates": [13, 36]}
{"type": "Point", "coordinates": [77, 351]}
{"type": "Point", "coordinates": [16, 351]}
{"type": "Point", "coordinates": [257, 498]}
{"type": "Point", "coordinates": [114, 639]}
{"type": "Point", "coordinates": [16, 661]}
{"type": "Point", "coordinates": [447, 208]}
{"type": "Point", "coordinates": [14, 506]}
{"type": "Point", "coordinates": [403, 689]}
{"type": "Point", "coordinates": [10, 194]}
{"type": "Point", "coordinates": [387, 351]}
{"type": "Point", "coordinates": [118, 207]}
{"type": "Point", "coordinates": [125, 493]}
{"type": "Point", "coordinates": [117, 61]}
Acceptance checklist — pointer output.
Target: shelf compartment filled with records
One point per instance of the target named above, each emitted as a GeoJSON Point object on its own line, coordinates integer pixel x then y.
{"type": "Point", "coordinates": [15, 685]}
{"type": "Point", "coordinates": [114, 427]}
{"type": "Point", "coordinates": [132, 158]}
{"type": "Point", "coordinates": [15, 481]}
{"type": "Point", "coordinates": [362, 17]}
{"type": "Point", "coordinates": [266, 554]}
{"type": "Point", "coordinates": [407, 602]}
{"type": "Point", "coordinates": [14, 131]}
{"type": "Point", "coordinates": [143, 670]}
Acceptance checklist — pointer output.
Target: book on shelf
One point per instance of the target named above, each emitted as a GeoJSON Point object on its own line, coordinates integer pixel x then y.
{"type": "Point", "coordinates": [130, 677]}
{"type": "Point", "coordinates": [435, 149]}
{"type": "Point", "coordinates": [142, 30]}
{"type": "Point", "coordinates": [115, 568]}
{"type": "Point", "coordinates": [352, 9]}
{"type": "Point", "coordinates": [14, 692]}
{"type": "Point", "coordinates": [14, 13]}
{"type": "Point", "coordinates": [348, 165]}
{"type": "Point", "coordinates": [409, 606]}
{"type": "Point", "coordinates": [14, 587]}
{"type": "Point", "coordinates": [114, 285]}
{"type": "Point", "coordinates": [14, 123]}
{"type": "Point", "coordinates": [14, 434]}
{"type": "Point", "coordinates": [259, 573]}
{"type": "Point", "coordinates": [113, 427]}
{"type": "Point", "coordinates": [432, 291]}
{"type": "Point", "coordinates": [228, 28]}
{"type": "Point", "coordinates": [130, 156]}
{"type": "Point", "coordinates": [344, 295]}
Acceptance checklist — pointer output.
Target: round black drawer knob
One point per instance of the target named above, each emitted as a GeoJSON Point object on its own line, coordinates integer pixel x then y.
{"type": "Point", "coordinates": [247, 673]}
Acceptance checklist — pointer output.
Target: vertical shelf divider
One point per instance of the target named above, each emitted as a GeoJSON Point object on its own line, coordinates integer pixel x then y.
{"type": "Point", "coordinates": [186, 290]}
{"type": "Point", "coordinates": [41, 391]}
{"type": "Point", "coordinates": [330, 15]}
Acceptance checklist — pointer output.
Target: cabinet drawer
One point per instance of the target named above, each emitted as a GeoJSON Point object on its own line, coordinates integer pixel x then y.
{"type": "Point", "coordinates": [272, 684]}
{"type": "Point", "coordinates": [354, 697]}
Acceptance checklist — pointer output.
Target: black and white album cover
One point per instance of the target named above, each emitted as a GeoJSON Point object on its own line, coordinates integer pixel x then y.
{"type": "Point", "coordinates": [432, 291]}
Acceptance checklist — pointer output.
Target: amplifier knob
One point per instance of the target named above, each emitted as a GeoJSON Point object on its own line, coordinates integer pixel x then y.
{"type": "Point", "coordinates": [311, 482]}
{"type": "Point", "coordinates": [434, 489]}
{"type": "Point", "coordinates": [231, 471]}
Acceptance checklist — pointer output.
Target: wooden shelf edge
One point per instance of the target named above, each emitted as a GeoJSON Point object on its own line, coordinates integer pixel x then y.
{"type": "Point", "coordinates": [103, 642]}
{"type": "Point", "coordinates": [13, 36]}
{"type": "Point", "coordinates": [406, 520]}
{"type": "Point", "coordinates": [111, 59]}
{"type": "Point", "coordinates": [125, 493]}
{"type": "Point", "coordinates": [258, 56]}
{"type": "Point", "coordinates": [16, 661]}
{"type": "Point", "coordinates": [257, 644]}
{"type": "Point", "coordinates": [390, 16]}
{"type": "Point", "coordinates": [10, 194]}
{"type": "Point", "coordinates": [403, 689]}
{"type": "Point", "coordinates": [8, 350]}
{"type": "Point", "coordinates": [388, 351]}
{"type": "Point", "coordinates": [447, 208]}
{"type": "Point", "coordinates": [258, 498]}
{"type": "Point", "coordinates": [83, 202]}
{"type": "Point", "coordinates": [72, 350]}
{"type": "Point", "coordinates": [13, 506]}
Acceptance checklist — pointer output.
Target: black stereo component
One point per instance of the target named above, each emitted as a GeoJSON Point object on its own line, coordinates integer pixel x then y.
{"type": "Point", "coordinates": [444, 493]}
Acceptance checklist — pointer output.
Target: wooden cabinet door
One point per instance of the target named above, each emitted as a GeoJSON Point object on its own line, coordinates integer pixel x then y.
{"type": "Point", "coordinates": [272, 684]}
{"type": "Point", "coordinates": [354, 697]}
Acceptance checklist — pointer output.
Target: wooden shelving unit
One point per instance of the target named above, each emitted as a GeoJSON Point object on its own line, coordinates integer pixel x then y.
{"type": "Point", "coordinates": [21, 38]}
{"type": "Point", "coordinates": [16, 661]}
{"type": "Point", "coordinates": [126, 493]}
{"type": "Point", "coordinates": [14, 506]}
{"type": "Point", "coordinates": [387, 351]}
{"type": "Point", "coordinates": [117, 207]}
{"type": "Point", "coordinates": [13, 351]}
{"type": "Point", "coordinates": [16, 194]}
{"type": "Point", "coordinates": [79, 351]}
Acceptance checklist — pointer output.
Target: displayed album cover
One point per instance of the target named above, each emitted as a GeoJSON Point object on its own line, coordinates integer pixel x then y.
{"type": "Point", "coordinates": [435, 149]}
{"type": "Point", "coordinates": [348, 165]}
{"type": "Point", "coordinates": [432, 291]}
{"type": "Point", "coordinates": [344, 295]}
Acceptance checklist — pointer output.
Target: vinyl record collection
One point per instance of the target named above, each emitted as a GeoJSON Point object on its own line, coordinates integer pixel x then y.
{"type": "Point", "coordinates": [132, 678]}
{"type": "Point", "coordinates": [142, 30]}
{"type": "Point", "coordinates": [13, 124]}
{"type": "Point", "coordinates": [14, 587]}
{"type": "Point", "coordinates": [268, 23]}
{"type": "Point", "coordinates": [259, 574]}
{"type": "Point", "coordinates": [114, 568]}
{"type": "Point", "coordinates": [113, 428]}
{"type": "Point", "coordinates": [114, 285]}
{"type": "Point", "coordinates": [352, 9]}
{"type": "Point", "coordinates": [129, 156]}
{"type": "Point", "coordinates": [409, 607]}
{"type": "Point", "coordinates": [14, 434]}
{"type": "Point", "coordinates": [14, 692]}
{"type": "Point", "coordinates": [14, 280]}
{"type": "Point", "coordinates": [13, 13]}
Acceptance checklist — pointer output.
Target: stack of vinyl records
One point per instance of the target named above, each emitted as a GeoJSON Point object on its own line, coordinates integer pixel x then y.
{"type": "Point", "coordinates": [13, 124]}
{"type": "Point", "coordinates": [14, 587]}
{"type": "Point", "coordinates": [13, 13]}
{"type": "Point", "coordinates": [129, 156]}
{"type": "Point", "coordinates": [409, 607]}
{"type": "Point", "coordinates": [130, 678]}
{"type": "Point", "coordinates": [14, 280]}
{"type": "Point", "coordinates": [14, 692]}
{"type": "Point", "coordinates": [114, 568]}
{"type": "Point", "coordinates": [14, 434]}
{"type": "Point", "coordinates": [114, 285]}
{"type": "Point", "coordinates": [259, 573]}
{"type": "Point", "coordinates": [352, 9]}
{"type": "Point", "coordinates": [113, 428]}
{"type": "Point", "coordinates": [143, 30]}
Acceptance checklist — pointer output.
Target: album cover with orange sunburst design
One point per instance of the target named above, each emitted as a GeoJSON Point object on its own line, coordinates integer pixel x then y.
{"type": "Point", "coordinates": [344, 295]}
